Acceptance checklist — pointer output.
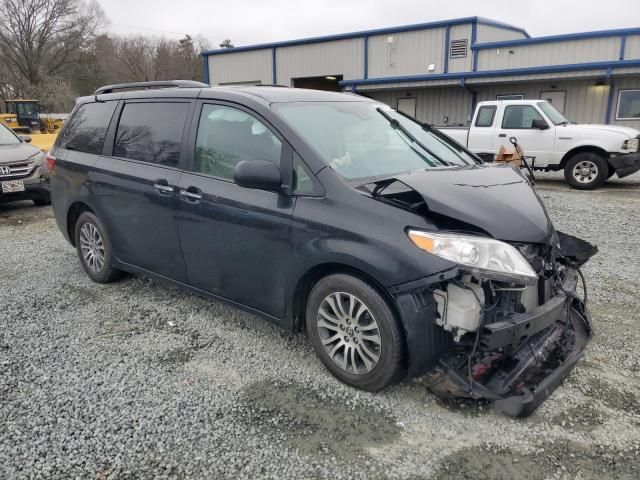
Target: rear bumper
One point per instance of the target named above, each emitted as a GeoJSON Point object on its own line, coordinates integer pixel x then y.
{"type": "Point", "coordinates": [524, 359]}
{"type": "Point", "coordinates": [625, 165]}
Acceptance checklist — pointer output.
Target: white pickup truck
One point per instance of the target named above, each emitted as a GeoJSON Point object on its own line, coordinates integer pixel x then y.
{"type": "Point", "coordinates": [588, 154]}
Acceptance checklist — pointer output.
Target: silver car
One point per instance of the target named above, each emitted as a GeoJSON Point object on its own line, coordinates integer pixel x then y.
{"type": "Point", "coordinates": [23, 171]}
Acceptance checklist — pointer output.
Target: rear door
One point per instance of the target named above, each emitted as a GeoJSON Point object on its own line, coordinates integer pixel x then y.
{"type": "Point", "coordinates": [235, 240]}
{"type": "Point", "coordinates": [481, 132]}
{"type": "Point", "coordinates": [517, 122]}
{"type": "Point", "coordinates": [136, 181]}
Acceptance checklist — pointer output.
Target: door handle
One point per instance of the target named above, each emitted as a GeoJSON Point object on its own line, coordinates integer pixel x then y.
{"type": "Point", "coordinates": [163, 187]}
{"type": "Point", "coordinates": [502, 135]}
{"type": "Point", "coordinates": [191, 194]}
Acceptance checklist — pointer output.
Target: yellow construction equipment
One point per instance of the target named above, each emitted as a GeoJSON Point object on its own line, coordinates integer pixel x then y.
{"type": "Point", "coordinates": [23, 117]}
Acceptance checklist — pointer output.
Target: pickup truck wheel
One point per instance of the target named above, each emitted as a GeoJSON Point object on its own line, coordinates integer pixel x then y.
{"type": "Point", "coordinates": [586, 171]}
{"type": "Point", "coordinates": [355, 333]}
{"type": "Point", "coordinates": [94, 249]}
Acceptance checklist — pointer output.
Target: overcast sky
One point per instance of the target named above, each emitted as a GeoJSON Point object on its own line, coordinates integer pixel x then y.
{"type": "Point", "coordinates": [252, 21]}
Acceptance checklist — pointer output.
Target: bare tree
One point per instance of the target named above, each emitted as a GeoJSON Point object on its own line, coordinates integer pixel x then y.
{"type": "Point", "coordinates": [39, 38]}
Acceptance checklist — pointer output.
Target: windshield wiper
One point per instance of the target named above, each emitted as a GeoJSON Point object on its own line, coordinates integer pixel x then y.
{"type": "Point", "coordinates": [398, 126]}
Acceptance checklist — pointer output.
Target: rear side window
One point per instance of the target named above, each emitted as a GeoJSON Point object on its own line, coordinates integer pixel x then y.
{"type": "Point", "coordinates": [485, 116]}
{"type": "Point", "coordinates": [86, 129]}
{"type": "Point", "coordinates": [226, 136]}
{"type": "Point", "coordinates": [520, 116]}
{"type": "Point", "coordinates": [151, 132]}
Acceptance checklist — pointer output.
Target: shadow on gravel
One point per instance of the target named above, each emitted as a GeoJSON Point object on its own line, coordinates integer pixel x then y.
{"type": "Point", "coordinates": [313, 424]}
{"type": "Point", "coordinates": [550, 460]}
{"type": "Point", "coordinates": [22, 213]}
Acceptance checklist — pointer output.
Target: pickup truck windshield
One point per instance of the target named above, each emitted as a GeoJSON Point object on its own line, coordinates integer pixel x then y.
{"type": "Point", "coordinates": [554, 115]}
{"type": "Point", "coordinates": [7, 137]}
{"type": "Point", "coordinates": [360, 142]}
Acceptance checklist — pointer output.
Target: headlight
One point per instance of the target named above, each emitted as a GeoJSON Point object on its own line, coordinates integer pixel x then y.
{"type": "Point", "coordinates": [484, 256]}
{"type": "Point", "coordinates": [631, 144]}
{"type": "Point", "coordinates": [38, 158]}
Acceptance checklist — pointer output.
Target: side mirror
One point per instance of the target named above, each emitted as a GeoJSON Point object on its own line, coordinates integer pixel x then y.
{"type": "Point", "coordinates": [258, 174]}
{"type": "Point", "coordinates": [25, 138]}
{"type": "Point", "coordinates": [539, 124]}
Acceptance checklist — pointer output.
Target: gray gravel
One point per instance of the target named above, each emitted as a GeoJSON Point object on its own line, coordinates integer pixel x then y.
{"type": "Point", "coordinates": [139, 379]}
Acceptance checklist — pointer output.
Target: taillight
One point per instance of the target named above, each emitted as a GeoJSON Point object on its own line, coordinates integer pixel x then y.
{"type": "Point", "coordinates": [51, 161]}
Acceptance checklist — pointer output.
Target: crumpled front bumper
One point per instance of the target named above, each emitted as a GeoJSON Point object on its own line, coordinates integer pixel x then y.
{"type": "Point", "coordinates": [543, 345]}
{"type": "Point", "coordinates": [625, 165]}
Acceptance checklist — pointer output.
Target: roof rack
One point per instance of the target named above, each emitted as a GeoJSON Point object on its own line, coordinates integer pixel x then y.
{"type": "Point", "coordinates": [153, 84]}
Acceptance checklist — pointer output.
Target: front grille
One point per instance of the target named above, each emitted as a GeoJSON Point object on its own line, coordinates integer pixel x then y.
{"type": "Point", "coordinates": [16, 170]}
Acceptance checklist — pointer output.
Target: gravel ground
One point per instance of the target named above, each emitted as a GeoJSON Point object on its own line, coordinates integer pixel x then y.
{"type": "Point", "coordinates": [139, 379]}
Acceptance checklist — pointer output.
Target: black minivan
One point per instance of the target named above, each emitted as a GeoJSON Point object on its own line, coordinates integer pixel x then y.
{"type": "Point", "coordinates": [398, 250]}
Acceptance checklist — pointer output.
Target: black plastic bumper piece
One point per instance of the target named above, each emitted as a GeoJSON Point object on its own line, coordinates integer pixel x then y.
{"type": "Point", "coordinates": [625, 165]}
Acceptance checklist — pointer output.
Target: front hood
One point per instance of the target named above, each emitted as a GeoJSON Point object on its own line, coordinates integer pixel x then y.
{"type": "Point", "coordinates": [16, 153]}
{"type": "Point", "coordinates": [587, 128]}
{"type": "Point", "coordinates": [496, 199]}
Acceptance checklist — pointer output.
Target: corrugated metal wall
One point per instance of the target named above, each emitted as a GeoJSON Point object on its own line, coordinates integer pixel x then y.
{"type": "Point", "coordinates": [432, 104]}
{"type": "Point", "coordinates": [341, 57]}
{"type": "Point", "coordinates": [249, 66]}
{"type": "Point", "coordinates": [556, 53]}
{"type": "Point", "coordinates": [459, 32]}
{"type": "Point", "coordinates": [407, 53]}
{"type": "Point", "coordinates": [632, 47]}
{"type": "Point", "coordinates": [489, 33]}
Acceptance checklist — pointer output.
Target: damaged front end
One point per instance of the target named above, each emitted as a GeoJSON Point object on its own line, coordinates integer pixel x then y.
{"type": "Point", "coordinates": [511, 343]}
{"type": "Point", "coordinates": [505, 323]}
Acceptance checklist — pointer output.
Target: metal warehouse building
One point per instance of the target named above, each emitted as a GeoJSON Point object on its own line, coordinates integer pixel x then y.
{"type": "Point", "coordinates": [438, 71]}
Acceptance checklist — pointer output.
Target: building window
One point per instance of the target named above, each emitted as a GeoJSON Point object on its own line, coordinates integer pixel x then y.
{"type": "Point", "coordinates": [458, 48]}
{"type": "Point", "coordinates": [510, 96]}
{"type": "Point", "coordinates": [485, 116]}
{"type": "Point", "coordinates": [628, 105]}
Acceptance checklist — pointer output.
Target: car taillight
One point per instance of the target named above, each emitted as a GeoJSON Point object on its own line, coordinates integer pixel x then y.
{"type": "Point", "coordinates": [51, 161]}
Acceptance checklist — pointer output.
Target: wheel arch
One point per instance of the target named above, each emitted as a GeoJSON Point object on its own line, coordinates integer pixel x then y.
{"type": "Point", "coordinates": [73, 213]}
{"type": "Point", "coordinates": [314, 274]}
{"type": "Point", "coordinates": [583, 149]}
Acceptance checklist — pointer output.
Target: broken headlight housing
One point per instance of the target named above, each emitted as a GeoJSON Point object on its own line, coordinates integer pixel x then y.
{"type": "Point", "coordinates": [631, 144]}
{"type": "Point", "coordinates": [482, 256]}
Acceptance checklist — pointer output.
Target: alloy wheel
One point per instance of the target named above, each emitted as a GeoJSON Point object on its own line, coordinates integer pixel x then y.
{"type": "Point", "coordinates": [92, 247]}
{"type": "Point", "coordinates": [349, 333]}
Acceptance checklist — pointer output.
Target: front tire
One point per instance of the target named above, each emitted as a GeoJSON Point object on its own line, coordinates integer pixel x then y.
{"type": "Point", "coordinates": [355, 333]}
{"type": "Point", "coordinates": [586, 171]}
{"type": "Point", "coordinates": [94, 249]}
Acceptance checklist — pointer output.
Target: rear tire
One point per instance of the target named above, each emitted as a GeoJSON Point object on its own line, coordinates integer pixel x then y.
{"type": "Point", "coordinates": [355, 333]}
{"type": "Point", "coordinates": [586, 171]}
{"type": "Point", "coordinates": [94, 249]}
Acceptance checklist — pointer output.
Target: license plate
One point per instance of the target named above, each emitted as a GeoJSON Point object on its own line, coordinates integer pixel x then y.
{"type": "Point", "coordinates": [13, 186]}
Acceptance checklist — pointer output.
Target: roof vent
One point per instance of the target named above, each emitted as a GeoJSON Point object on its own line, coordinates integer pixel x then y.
{"type": "Point", "coordinates": [458, 48]}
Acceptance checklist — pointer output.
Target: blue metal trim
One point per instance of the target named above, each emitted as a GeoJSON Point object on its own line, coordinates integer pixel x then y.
{"type": "Point", "coordinates": [474, 37]}
{"type": "Point", "coordinates": [447, 34]}
{"type": "Point", "coordinates": [205, 69]}
{"type": "Point", "coordinates": [365, 67]}
{"type": "Point", "coordinates": [557, 38]}
{"type": "Point", "coordinates": [623, 46]}
{"type": "Point", "coordinates": [274, 70]}
{"type": "Point", "coordinates": [612, 89]}
{"type": "Point", "coordinates": [574, 67]}
{"type": "Point", "coordinates": [363, 33]}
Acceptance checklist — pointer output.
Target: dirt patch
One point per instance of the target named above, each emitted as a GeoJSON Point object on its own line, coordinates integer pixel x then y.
{"type": "Point", "coordinates": [610, 395]}
{"type": "Point", "coordinates": [314, 424]}
{"type": "Point", "coordinates": [583, 417]}
{"type": "Point", "coordinates": [550, 460]}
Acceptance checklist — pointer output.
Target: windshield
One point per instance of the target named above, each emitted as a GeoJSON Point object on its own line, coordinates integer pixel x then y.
{"type": "Point", "coordinates": [7, 137]}
{"type": "Point", "coordinates": [361, 142]}
{"type": "Point", "coordinates": [554, 115]}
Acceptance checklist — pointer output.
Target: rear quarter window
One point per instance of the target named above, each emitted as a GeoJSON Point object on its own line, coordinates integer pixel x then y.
{"type": "Point", "coordinates": [86, 129]}
{"type": "Point", "coordinates": [151, 132]}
